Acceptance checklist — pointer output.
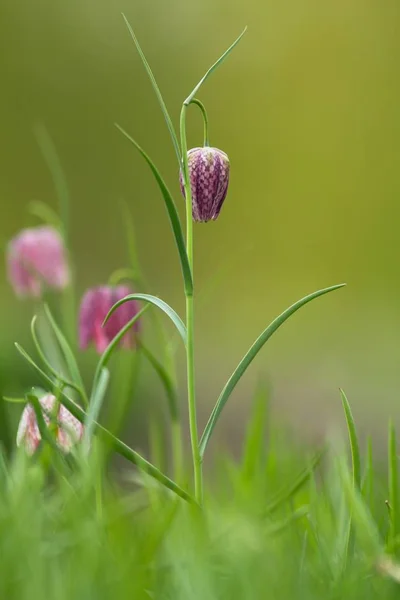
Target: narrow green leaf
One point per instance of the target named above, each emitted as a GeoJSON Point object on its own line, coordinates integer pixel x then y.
{"type": "Point", "coordinates": [289, 491]}
{"type": "Point", "coordinates": [367, 485]}
{"type": "Point", "coordinates": [14, 400]}
{"type": "Point", "coordinates": [366, 528]}
{"type": "Point", "coordinates": [394, 528]}
{"type": "Point", "coordinates": [160, 99]}
{"type": "Point", "coordinates": [177, 321]}
{"type": "Point", "coordinates": [32, 363]}
{"type": "Point", "coordinates": [96, 402]}
{"type": "Point", "coordinates": [47, 363]}
{"type": "Point", "coordinates": [254, 446]}
{"type": "Point", "coordinates": [43, 428]}
{"type": "Point", "coordinates": [213, 68]}
{"type": "Point", "coordinates": [354, 446]}
{"type": "Point", "coordinates": [68, 354]}
{"type": "Point", "coordinates": [172, 213]}
{"type": "Point", "coordinates": [45, 213]}
{"type": "Point", "coordinates": [51, 157]}
{"type": "Point", "coordinates": [122, 275]}
{"type": "Point", "coordinates": [166, 381]}
{"type": "Point", "coordinates": [297, 514]}
{"type": "Point", "coordinates": [119, 446]}
{"type": "Point", "coordinates": [249, 357]}
{"type": "Point", "coordinates": [106, 356]}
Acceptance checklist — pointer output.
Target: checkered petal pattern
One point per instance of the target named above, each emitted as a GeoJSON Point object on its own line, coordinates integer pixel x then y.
{"type": "Point", "coordinates": [209, 179]}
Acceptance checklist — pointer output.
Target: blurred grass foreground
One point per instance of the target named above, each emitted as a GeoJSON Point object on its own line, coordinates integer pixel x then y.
{"type": "Point", "coordinates": [115, 328]}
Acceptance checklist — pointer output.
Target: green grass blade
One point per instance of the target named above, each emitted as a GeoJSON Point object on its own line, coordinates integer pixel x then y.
{"type": "Point", "coordinates": [160, 99]}
{"type": "Point", "coordinates": [119, 446]}
{"type": "Point", "coordinates": [51, 157]}
{"type": "Point", "coordinates": [365, 526]}
{"type": "Point", "coordinates": [289, 491]}
{"type": "Point", "coordinates": [299, 513]}
{"type": "Point", "coordinates": [45, 431]}
{"type": "Point", "coordinates": [253, 451]}
{"type": "Point", "coordinates": [177, 321]}
{"type": "Point", "coordinates": [96, 402]}
{"type": "Point", "coordinates": [67, 352]}
{"type": "Point", "coordinates": [393, 486]}
{"type": "Point", "coordinates": [172, 214]}
{"type": "Point", "coordinates": [58, 376]}
{"type": "Point", "coordinates": [249, 357]}
{"type": "Point", "coordinates": [213, 68]}
{"type": "Point", "coordinates": [367, 485]}
{"type": "Point", "coordinates": [14, 400]}
{"type": "Point", "coordinates": [32, 363]}
{"type": "Point", "coordinates": [354, 445]}
{"type": "Point", "coordinates": [106, 356]}
{"type": "Point", "coordinates": [166, 381]}
{"type": "Point", "coordinates": [46, 214]}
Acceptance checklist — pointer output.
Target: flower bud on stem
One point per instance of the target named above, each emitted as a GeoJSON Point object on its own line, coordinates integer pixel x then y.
{"type": "Point", "coordinates": [197, 466]}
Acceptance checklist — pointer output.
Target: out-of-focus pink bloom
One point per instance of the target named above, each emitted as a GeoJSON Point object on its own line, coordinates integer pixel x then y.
{"type": "Point", "coordinates": [94, 308]}
{"type": "Point", "coordinates": [37, 257]}
{"type": "Point", "coordinates": [68, 429]}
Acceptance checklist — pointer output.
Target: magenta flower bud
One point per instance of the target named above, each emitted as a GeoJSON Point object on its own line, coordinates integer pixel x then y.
{"type": "Point", "coordinates": [209, 179]}
{"type": "Point", "coordinates": [94, 308]}
{"type": "Point", "coordinates": [68, 429]}
{"type": "Point", "coordinates": [37, 257]}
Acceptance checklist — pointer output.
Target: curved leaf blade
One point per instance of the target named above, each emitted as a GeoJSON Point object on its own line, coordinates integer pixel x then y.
{"type": "Point", "coordinates": [292, 488]}
{"type": "Point", "coordinates": [214, 67]}
{"type": "Point", "coordinates": [160, 99]}
{"type": "Point", "coordinates": [45, 213]}
{"type": "Point", "coordinates": [58, 376]}
{"type": "Point", "coordinates": [250, 356]}
{"type": "Point", "coordinates": [175, 318]}
{"type": "Point", "coordinates": [354, 445]}
{"type": "Point", "coordinates": [172, 213]}
{"type": "Point", "coordinates": [166, 381]}
{"type": "Point", "coordinates": [106, 356]}
{"type": "Point", "coordinates": [119, 446]}
{"type": "Point", "coordinates": [95, 405]}
{"type": "Point", "coordinates": [66, 350]}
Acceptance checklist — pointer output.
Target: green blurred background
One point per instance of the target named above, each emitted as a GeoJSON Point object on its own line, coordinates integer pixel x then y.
{"type": "Point", "coordinates": [307, 107]}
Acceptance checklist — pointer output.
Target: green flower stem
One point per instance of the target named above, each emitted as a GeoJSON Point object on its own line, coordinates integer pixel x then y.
{"type": "Point", "coordinates": [205, 119]}
{"type": "Point", "coordinates": [194, 439]}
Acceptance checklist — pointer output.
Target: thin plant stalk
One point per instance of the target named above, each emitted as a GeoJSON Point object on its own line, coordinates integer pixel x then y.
{"type": "Point", "coordinates": [194, 438]}
{"type": "Point", "coordinates": [205, 120]}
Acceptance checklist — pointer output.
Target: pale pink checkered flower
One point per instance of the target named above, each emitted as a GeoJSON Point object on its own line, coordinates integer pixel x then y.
{"type": "Point", "coordinates": [94, 308]}
{"type": "Point", "coordinates": [209, 179]}
{"type": "Point", "coordinates": [68, 429]}
{"type": "Point", "coordinates": [36, 258]}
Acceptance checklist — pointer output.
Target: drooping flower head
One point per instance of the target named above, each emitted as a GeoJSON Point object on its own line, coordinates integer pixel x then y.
{"type": "Point", "coordinates": [36, 258]}
{"type": "Point", "coordinates": [94, 308]}
{"type": "Point", "coordinates": [68, 429]}
{"type": "Point", "coordinates": [209, 179]}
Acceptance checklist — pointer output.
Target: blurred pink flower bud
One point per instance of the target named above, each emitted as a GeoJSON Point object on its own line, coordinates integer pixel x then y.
{"type": "Point", "coordinates": [68, 429]}
{"type": "Point", "coordinates": [94, 308]}
{"type": "Point", "coordinates": [37, 257]}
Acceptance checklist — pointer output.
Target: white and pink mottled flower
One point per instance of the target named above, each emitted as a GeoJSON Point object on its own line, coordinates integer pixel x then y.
{"type": "Point", "coordinates": [37, 258]}
{"type": "Point", "coordinates": [68, 432]}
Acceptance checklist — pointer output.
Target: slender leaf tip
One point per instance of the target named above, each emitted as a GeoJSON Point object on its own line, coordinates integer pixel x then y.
{"type": "Point", "coordinates": [213, 68]}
